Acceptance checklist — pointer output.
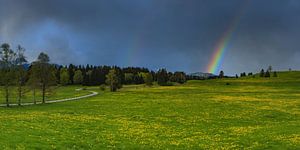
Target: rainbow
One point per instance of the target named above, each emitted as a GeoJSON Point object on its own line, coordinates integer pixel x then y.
{"type": "Point", "coordinates": [215, 63]}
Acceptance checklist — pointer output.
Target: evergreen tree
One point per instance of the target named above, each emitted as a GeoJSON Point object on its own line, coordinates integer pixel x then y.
{"type": "Point", "coordinates": [267, 74]}
{"type": "Point", "coordinates": [179, 77]}
{"type": "Point", "coordinates": [162, 77]}
{"type": "Point", "coordinates": [221, 75]}
{"type": "Point", "coordinates": [270, 68]}
{"type": "Point", "coordinates": [274, 74]}
{"type": "Point", "coordinates": [262, 73]}
{"type": "Point", "coordinates": [71, 73]}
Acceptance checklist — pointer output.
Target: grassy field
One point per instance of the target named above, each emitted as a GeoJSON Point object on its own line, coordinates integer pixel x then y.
{"type": "Point", "coordinates": [249, 113]}
{"type": "Point", "coordinates": [53, 94]}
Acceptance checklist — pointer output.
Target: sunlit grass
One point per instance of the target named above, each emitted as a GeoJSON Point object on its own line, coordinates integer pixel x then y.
{"type": "Point", "coordinates": [249, 113]}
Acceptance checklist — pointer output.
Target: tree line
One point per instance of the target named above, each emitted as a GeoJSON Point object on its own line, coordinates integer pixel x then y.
{"type": "Point", "coordinates": [40, 74]}
{"type": "Point", "coordinates": [264, 74]}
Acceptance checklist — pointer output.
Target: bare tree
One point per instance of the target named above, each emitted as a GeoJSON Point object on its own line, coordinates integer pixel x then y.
{"type": "Point", "coordinates": [43, 74]}
{"type": "Point", "coordinates": [7, 72]}
{"type": "Point", "coordinates": [20, 72]}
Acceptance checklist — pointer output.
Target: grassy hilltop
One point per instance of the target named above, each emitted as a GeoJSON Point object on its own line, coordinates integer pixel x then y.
{"type": "Point", "coordinates": [250, 113]}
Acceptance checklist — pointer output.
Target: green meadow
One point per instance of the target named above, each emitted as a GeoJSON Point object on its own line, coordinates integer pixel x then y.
{"type": "Point", "coordinates": [244, 113]}
{"type": "Point", "coordinates": [54, 93]}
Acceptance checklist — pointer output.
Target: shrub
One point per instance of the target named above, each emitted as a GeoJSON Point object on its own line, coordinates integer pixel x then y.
{"type": "Point", "coordinates": [102, 87]}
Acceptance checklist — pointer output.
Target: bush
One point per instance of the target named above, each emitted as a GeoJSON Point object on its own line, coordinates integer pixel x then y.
{"type": "Point", "coordinates": [168, 84]}
{"type": "Point", "coordinates": [102, 87]}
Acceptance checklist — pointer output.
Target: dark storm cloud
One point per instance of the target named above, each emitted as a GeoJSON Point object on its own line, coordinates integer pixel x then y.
{"type": "Point", "coordinates": [176, 34]}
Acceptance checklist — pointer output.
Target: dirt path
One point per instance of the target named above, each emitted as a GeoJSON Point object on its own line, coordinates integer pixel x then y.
{"type": "Point", "coordinates": [93, 93]}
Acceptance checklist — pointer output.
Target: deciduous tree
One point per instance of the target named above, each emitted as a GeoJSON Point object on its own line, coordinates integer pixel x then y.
{"type": "Point", "coordinates": [7, 71]}
{"type": "Point", "coordinates": [20, 72]}
{"type": "Point", "coordinates": [148, 79]}
{"type": "Point", "coordinates": [78, 78]}
{"type": "Point", "coordinates": [64, 76]}
{"type": "Point", "coordinates": [112, 80]}
{"type": "Point", "coordinates": [44, 72]}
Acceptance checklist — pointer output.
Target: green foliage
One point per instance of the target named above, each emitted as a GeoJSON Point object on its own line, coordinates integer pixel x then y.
{"type": "Point", "coordinates": [112, 80]}
{"type": "Point", "coordinates": [129, 78]}
{"type": "Point", "coordinates": [78, 78]}
{"type": "Point", "coordinates": [71, 73]}
{"type": "Point", "coordinates": [20, 60]}
{"type": "Point", "coordinates": [44, 74]}
{"type": "Point", "coordinates": [7, 69]}
{"type": "Point", "coordinates": [102, 87]}
{"type": "Point", "coordinates": [267, 74]}
{"type": "Point", "coordinates": [178, 77]}
{"type": "Point", "coordinates": [64, 77]}
{"type": "Point", "coordinates": [275, 74]}
{"type": "Point", "coordinates": [262, 73]}
{"type": "Point", "coordinates": [243, 74]}
{"type": "Point", "coordinates": [148, 79]}
{"type": "Point", "coordinates": [162, 77]}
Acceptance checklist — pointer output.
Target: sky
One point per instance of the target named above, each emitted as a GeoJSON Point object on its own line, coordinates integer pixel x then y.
{"type": "Point", "coordinates": [180, 35]}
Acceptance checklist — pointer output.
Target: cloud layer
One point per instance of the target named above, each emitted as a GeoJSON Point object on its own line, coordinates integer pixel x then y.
{"type": "Point", "coordinates": [179, 35]}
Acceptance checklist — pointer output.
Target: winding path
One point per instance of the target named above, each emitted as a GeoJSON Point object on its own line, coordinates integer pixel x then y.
{"type": "Point", "coordinates": [93, 93]}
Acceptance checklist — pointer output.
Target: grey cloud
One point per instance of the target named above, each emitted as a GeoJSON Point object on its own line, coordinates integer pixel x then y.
{"type": "Point", "coordinates": [180, 35]}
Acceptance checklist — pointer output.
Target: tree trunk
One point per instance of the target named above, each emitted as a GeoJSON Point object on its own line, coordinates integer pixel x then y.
{"type": "Point", "coordinates": [43, 92]}
{"type": "Point", "coordinates": [6, 95]}
{"type": "Point", "coordinates": [20, 95]}
{"type": "Point", "coordinates": [34, 101]}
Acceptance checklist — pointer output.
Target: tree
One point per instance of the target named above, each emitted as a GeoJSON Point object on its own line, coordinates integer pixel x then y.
{"type": "Point", "coordinates": [44, 73]}
{"type": "Point", "coordinates": [262, 73]}
{"type": "Point", "coordinates": [148, 79]}
{"type": "Point", "coordinates": [112, 80]}
{"type": "Point", "coordinates": [20, 72]}
{"type": "Point", "coordinates": [236, 76]}
{"type": "Point", "coordinates": [243, 74]}
{"type": "Point", "coordinates": [162, 77]}
{"type": "Point", "coordinates": [267, 74]}
{"type": "Point", "coordinates": [178, 77]}
{"type": "Point", "coordinates": [270, 68]}
{"type": "Point", "coordinates": [64, 77]}
{"type": "Point", "coordinates": [221, 75]}
{"type": "Point", "coordinates": [78, 77]}
{"type": "Point", "coordinates": [71, 73]}
{"type": "Point", "coordinates": [33, 83]}
{"type": "Point", "coordinates": [7, 71]}
{"type": "Point", "coordinates": [129, 78]}
{"type": "Point", "coordinates": [274, 74]}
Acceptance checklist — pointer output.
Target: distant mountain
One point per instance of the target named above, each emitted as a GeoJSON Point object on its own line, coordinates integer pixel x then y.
{"type": "Point", "coordinates": [26, 66]}
{"type": "Point", "coordinates": [202, 75]}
